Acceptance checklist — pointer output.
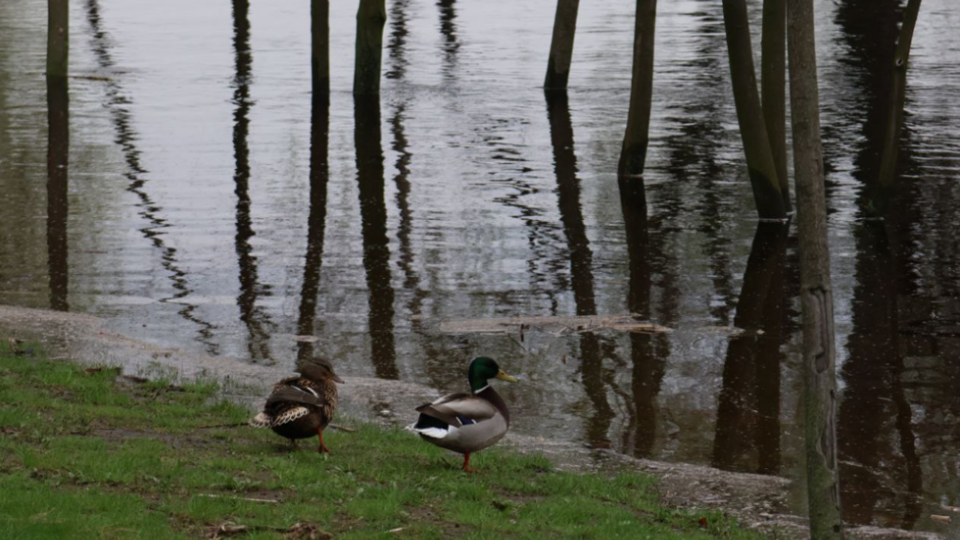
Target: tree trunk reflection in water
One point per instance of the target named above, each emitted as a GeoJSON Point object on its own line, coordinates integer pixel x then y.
{"type": "Point", "coordinates": [411, 278]}
{"type": "Point", "coordinates": [874, 371]}
{"type": "Point", "coordinates": [581, 262]}
{"type": "Point", "coordinates": [648, 366]}
{"type": "Point", "coordinates": [376, 252]}
{"type": "Point", "coordinates": [748, 411]}
{"type": "Point", "coordinates": [254, 317]}
{"type": "Point", "coordinates": [58, 150]}
{"type": "Point", "coordinates": [119, 104]}
{"type": "Point", "coordinates": [316, 222]}
{"type": "Point", "coordinates": [874, 392]}
{"type": "Point", "coordinates": [448, 28]}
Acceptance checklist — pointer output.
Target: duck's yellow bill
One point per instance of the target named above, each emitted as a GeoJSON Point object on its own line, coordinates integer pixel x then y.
{"type": "Point", "coordinates": [504, 377]}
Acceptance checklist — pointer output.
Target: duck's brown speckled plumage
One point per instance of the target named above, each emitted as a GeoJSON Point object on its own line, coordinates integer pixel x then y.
{"type": "Point", "coordinates": [301, 407]}
{"type": "Point", "coordinates": [326, 392]}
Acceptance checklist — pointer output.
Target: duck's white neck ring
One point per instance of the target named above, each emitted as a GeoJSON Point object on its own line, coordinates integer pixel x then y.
{"type": "Point", "coordinates": [481, 389]}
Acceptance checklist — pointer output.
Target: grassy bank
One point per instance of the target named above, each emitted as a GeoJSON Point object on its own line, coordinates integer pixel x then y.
{"type": "Point", "coordinates": [87, 454]}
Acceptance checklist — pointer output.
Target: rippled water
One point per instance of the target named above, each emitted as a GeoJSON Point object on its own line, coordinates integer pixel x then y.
{"type": "Point", "coordinates": [206, 204]}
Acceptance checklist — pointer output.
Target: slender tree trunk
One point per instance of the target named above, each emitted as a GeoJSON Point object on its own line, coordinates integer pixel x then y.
{"type": "Point", "coordinates": [58, 37]}
{"type": "Point", "coordinates": [561, 48]}
{"type": "Point", "coordinates": [633, 154]}
{"type": "Point", "coordinates": [773, 71]}
{"type": "Point", "coordinates": [756, 143]}
{"type": "Point", "coordinates": [819, 351]}
{"type": "Point", "coordinates": [320, 49]}
{"type": "Point", "coordinates": [371, 17]}
{"type": "Point", "coordinates": [898, 97]}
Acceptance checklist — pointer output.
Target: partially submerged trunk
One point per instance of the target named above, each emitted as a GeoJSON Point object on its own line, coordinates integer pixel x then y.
{"type": "Point", "coordinates": [819, 350]}
{"type": "Point", "coordinates": [58, 37]}
{"type": "Point", "coordinates": [633, 154]}
{"type": "Point", "coordinates": [756, 142]}
{"type": "Point", "coordinates": [773, 71]}
{"type": "Point", "coordinates": [561, 48]}
{"type": "Point", "coordinates": [320, 49]}
{"type": "Point", "coordinates": [371, 17]}
{"type": "Point", "coordinates": [898, 97]}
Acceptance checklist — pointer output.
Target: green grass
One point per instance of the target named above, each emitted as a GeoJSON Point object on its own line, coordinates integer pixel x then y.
{"type": "Point", "coordinates": [86, 455]}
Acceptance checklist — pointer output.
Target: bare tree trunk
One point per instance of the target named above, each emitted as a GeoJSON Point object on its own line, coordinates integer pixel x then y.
{"type": "Point", "coordinates": [561, 48]}
{"type": "Point", "coordinates": [633, 154]}
{"type": "Point", "coordinates": [371, 17]}
{"type": "Point", "coordinates": [58, 37]}
{"type": "Point", "coordinates": [756, 143]}
{"type": "Point", "coordinates": [773, 71]}
{"type": "Point", "coordinates": [320, 49]}
{"type": "Point", "coordinates": [819, 350]}
{"type": "Point", "coordinates": [898, 93]}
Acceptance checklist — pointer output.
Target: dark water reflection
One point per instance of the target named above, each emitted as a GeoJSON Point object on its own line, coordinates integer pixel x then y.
{"type": "Point", "coordinates": [213, 205]}
{"type": "Point", "coordinates": [748, 408]}
{"type": "Point", "coordinates": [256, 320]}
{"type": "Point", "coordinates": [58, 203]}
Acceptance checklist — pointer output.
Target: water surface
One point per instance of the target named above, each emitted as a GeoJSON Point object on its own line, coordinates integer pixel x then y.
{"type": "Point", "coordinates": [186, 188]}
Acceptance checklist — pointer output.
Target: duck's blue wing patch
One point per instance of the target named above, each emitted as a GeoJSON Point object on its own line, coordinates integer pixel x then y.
{"type": "Point", "coordinates": [464, 421]}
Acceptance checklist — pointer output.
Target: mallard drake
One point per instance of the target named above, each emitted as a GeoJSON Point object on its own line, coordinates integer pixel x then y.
{"type": "Point", "coordinates": [467, 423]}
{"type": "Point", "coordinates": [301, 407]}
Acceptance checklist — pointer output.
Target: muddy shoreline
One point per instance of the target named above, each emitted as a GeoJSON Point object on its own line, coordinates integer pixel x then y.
{"type": "Point", "coordinates": [762, 502]}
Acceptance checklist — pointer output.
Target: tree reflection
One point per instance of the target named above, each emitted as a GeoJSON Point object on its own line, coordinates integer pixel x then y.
{"type": "Point", "coordinates": [874, 391]}
{"type": "Point", "coordinates": [581, 262]}
{"type": "Point", "coordinates": [119, 104]}
{"type": "Point", "coordinates": [448, 29]}
{"type": "Point", "coordinates": [880, 466]}
{"type": "Point", "coordinates": [376, 251]}
{"type": "Point", "coordinates": [253, 316]}
{"type": "Point", "coordinates": [316, 222]}
{"type": "Point", "coordinates": [58, 150]}
{"type": "Point", "coordinates": [748, 412]}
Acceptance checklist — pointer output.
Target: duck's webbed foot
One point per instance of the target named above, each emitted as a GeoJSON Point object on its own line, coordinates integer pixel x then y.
{"type": "Point", "coordinates": [322, 448]}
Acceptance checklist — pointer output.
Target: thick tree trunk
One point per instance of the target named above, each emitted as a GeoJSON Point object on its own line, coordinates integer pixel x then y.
{"type": "Point", "coordinates": [58, 37]}
{"type": "Point", "coordinates": [320, 49]}
{"type": "Point", "coordinates": [773, 71]}
{"type": "Point", "coordinates": [561, 48]}
{"type": "Point", "coordinates": [371, 17]}
{"type": "Point", "coordinates": [898, 97]}
{"type": "Point", "coordinates": [633, 154]}
{"type": "Point", "coordinates": [819, 351]}
{"type": "Point", "coordinates": [58, 150]}
{"type": "Point", "coordinates": [753, 131]}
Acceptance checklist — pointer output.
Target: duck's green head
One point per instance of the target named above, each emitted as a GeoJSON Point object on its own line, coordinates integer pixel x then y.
{"type": "Point", "coordinates": [483, 369]}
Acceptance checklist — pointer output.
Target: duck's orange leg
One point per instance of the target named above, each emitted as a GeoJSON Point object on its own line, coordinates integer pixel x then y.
{"type": "Point", "coordinates": [322, 448]}
{"type": "Point", "coordinates": [466, 464]}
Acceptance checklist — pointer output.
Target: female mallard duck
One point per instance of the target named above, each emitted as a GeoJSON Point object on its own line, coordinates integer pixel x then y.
{"type": "Point", "coordinates": [301, 407]}
{"type": "Point", "coordinates": [467, 423]}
